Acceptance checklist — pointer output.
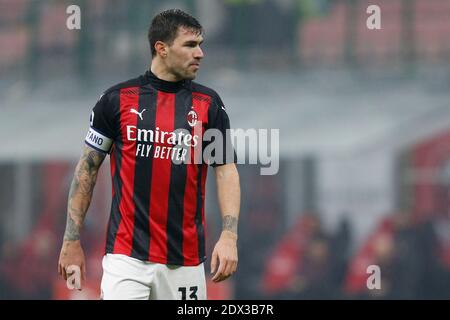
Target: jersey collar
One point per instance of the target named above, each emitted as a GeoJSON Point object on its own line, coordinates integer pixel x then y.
{"type": "Point", "coordinates": [163, 85]}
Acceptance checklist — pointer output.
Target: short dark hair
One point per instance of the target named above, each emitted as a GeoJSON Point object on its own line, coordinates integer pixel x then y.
{"type": "Point", "coordinates": [164, 26]}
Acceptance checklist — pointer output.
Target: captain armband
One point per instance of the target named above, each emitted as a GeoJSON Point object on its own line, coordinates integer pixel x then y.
{"type": "Point", "coordinates": [98, 141]}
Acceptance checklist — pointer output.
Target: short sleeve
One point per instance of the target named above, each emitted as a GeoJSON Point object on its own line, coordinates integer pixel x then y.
{"type": "Point", "coordinates": [225, 152]}
{"type": "Point", "coordinates": [101, 126]}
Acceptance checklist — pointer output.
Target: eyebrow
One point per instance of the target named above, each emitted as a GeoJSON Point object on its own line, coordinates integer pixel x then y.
{"type": "Point", "coordinates": [193, 42]}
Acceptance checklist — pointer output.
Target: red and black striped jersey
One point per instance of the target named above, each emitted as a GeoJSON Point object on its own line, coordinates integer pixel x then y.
{"type": "Point", "coordinates": [149, 126]}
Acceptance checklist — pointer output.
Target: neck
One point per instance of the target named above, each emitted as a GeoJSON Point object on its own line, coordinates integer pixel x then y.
{"type": "Point", "coordinates": [161, 71]}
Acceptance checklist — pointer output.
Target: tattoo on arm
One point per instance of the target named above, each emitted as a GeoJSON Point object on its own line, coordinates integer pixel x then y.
{"type": "Point", "coordinates": [230, 223]}
{"type": "Point", "coordinates": [81, 189]}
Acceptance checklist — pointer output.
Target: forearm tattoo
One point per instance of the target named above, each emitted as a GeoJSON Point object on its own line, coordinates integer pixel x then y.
{"type": "Point", "coordinates": [80, 193]}
{"type": "Point", "coordinates": [229, 223]}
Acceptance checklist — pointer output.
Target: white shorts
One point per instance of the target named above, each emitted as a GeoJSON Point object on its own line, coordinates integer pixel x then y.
{"type": "Point", "coordinates": [127, 278]}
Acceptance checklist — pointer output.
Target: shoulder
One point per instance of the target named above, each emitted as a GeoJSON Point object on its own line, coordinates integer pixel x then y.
{"type": "Point", "coordinates": [109, 101]}
{"type": "Point", "coordinates": [115, 89]}
{"type": "Point", "coordinates": [216, 111]}
{"type": "Point", "coordinates": [207, 91]}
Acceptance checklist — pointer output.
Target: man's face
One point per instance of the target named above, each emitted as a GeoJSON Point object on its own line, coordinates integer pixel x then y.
{"type": "Point", "coordinates": [184, 55]}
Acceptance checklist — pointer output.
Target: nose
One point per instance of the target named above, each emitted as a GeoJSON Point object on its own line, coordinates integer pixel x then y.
{"type": "Point", "coordinates": [198, 54]}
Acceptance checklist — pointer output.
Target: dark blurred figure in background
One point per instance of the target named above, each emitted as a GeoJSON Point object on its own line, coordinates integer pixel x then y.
{"type": "Point", "coordinates": [340, 253]}
{"type": "Point", "coordinates": [433, 280]}
{"type": "Point", "coordinates": [310, 262]}
{"type": "Point", "coordinates": [407, 254]}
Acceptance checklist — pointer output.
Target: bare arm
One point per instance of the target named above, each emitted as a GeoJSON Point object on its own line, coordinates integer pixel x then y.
{"type": "Point", "coordinates": [80, 193]}
{"type": "Point", "coordinates": [229, 196]}
{"type": "Point", "coordinates": [80, 196]}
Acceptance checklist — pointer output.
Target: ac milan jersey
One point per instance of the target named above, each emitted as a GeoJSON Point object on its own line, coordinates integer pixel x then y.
{"type": "Point", "coordinates": [149, 126]}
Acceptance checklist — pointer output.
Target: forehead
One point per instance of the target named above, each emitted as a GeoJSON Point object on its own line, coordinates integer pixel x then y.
{"type": "Point", "coordinates": [186, 34]}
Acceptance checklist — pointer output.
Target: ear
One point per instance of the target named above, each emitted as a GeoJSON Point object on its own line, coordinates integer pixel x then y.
{"type": "Point", "coordinates": [161, 49]}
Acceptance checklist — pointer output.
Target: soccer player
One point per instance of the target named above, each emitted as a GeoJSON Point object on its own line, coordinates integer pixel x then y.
{"type": "Point", "coordinates": [150, 126]}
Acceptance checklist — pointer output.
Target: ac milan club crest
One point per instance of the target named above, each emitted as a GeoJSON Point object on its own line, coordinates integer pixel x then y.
{"type": "Point", "coordinates": [192, 118]}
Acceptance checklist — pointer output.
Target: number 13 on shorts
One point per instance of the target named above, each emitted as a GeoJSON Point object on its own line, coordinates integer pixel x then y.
{"type": "Point", "coordinates": [188, 293]}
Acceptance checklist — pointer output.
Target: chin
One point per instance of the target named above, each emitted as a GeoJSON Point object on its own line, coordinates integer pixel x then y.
{"type": "Point", "coordinates": [190, 76]}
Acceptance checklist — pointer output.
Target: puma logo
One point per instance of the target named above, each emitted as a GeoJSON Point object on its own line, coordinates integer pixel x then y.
{"type": "Point", "coordinates": [138, 113]}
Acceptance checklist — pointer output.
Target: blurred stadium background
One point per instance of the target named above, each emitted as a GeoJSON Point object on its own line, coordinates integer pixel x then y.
{"type": "Point", "coordinates": [364, 143]}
